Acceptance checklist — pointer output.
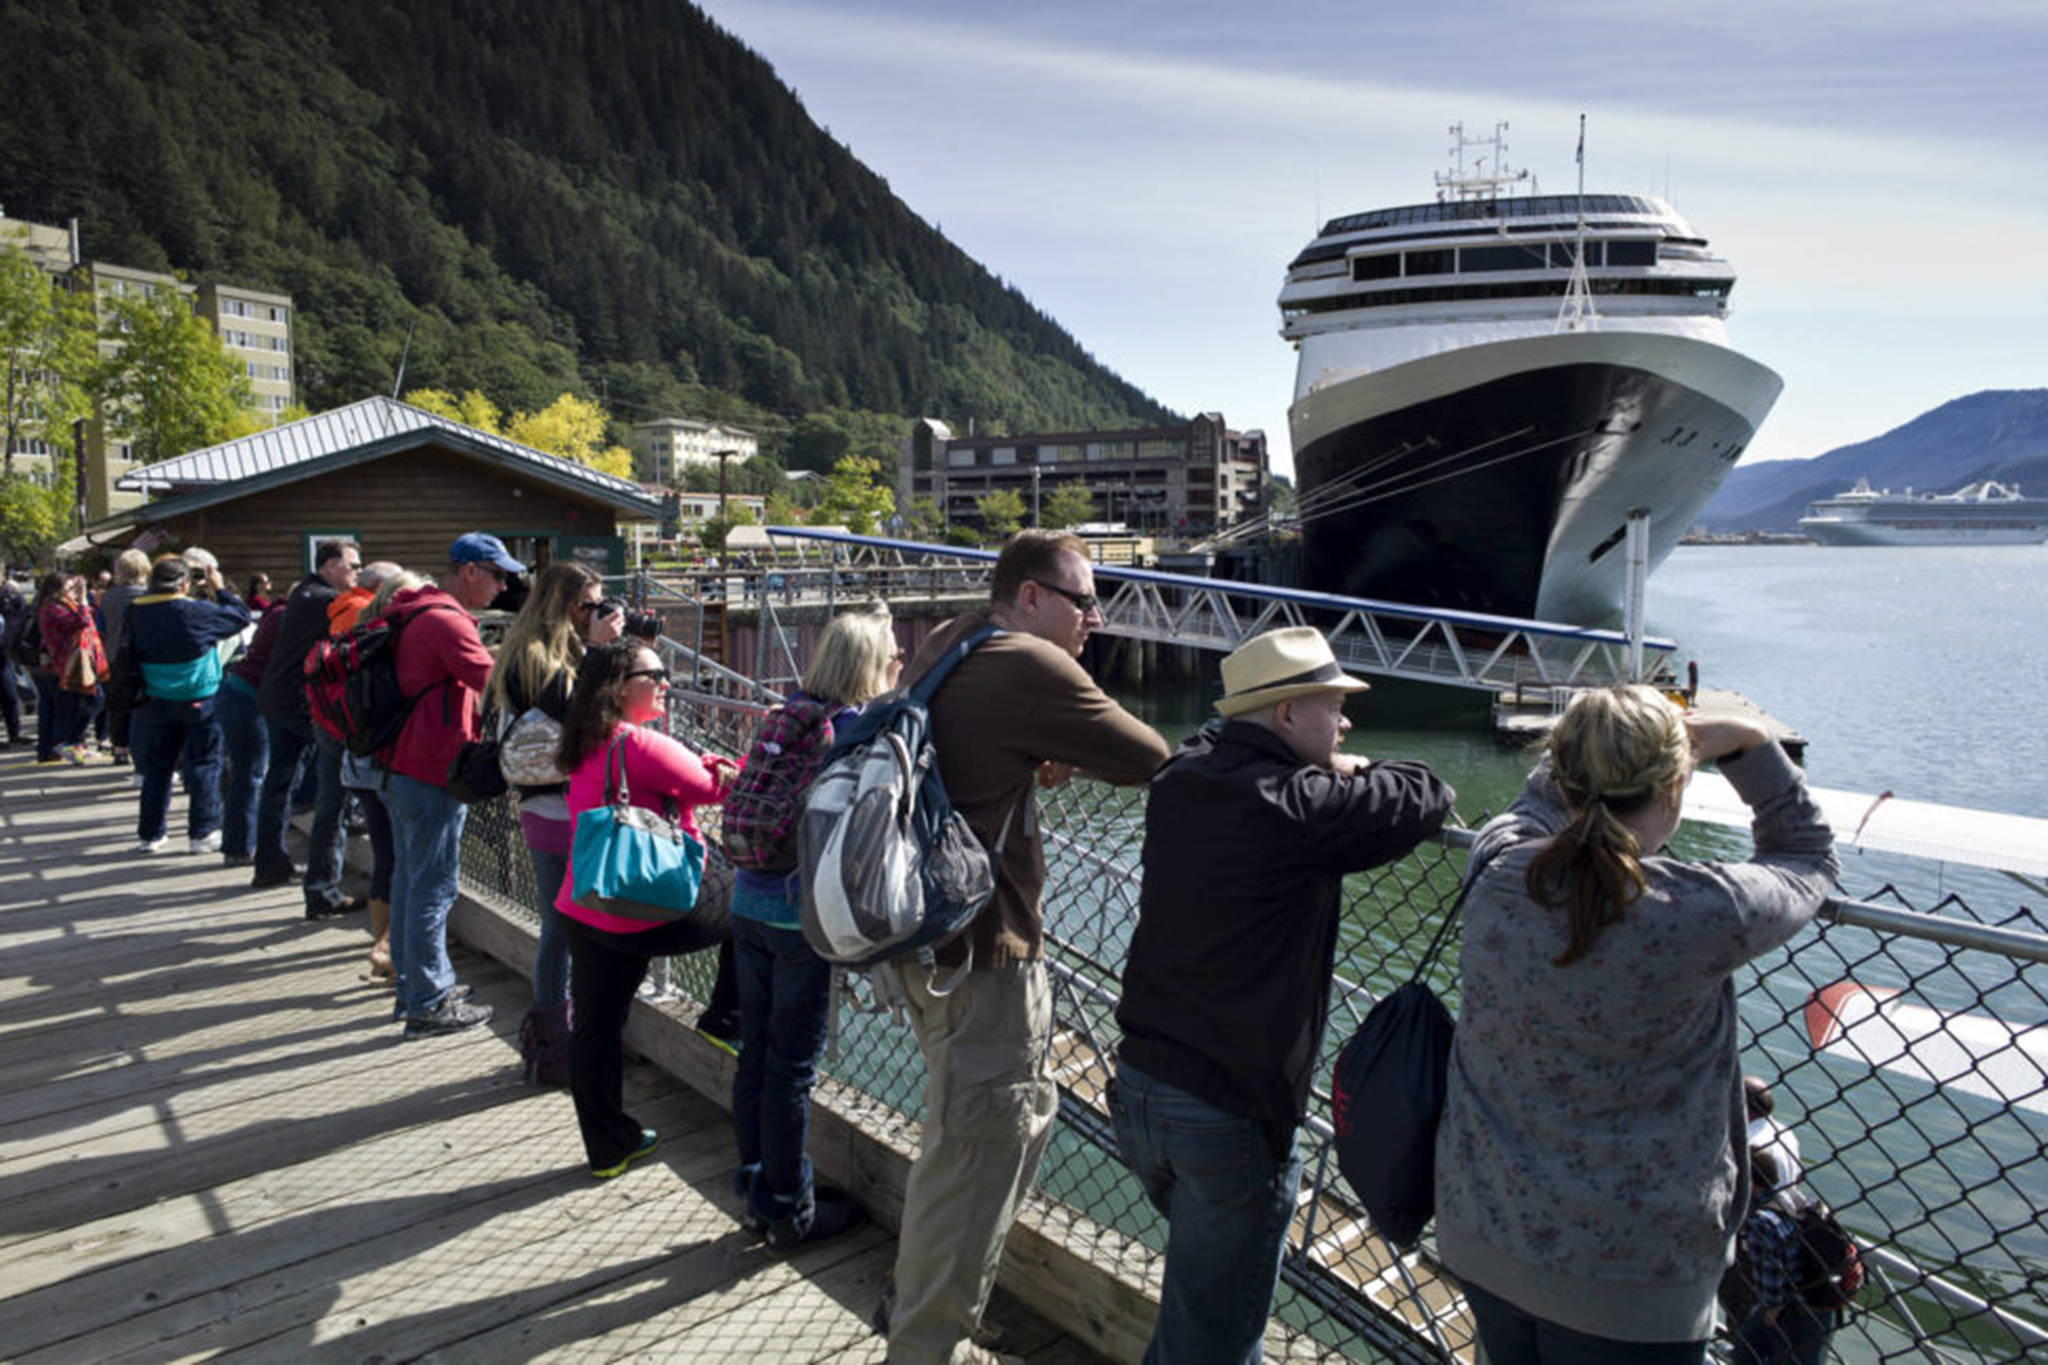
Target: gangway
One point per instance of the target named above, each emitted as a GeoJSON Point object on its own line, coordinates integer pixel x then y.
{"type": "Point", "coordinates": [1385, 639]}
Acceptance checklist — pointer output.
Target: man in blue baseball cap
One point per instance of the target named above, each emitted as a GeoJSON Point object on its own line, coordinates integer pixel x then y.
{"type": "Point", "coordinates": [441, 661]}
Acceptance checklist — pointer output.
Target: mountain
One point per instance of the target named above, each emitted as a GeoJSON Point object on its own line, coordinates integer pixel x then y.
{"type": "Point", "coordinates": [615, 198]}
{"type": "Point", "coordinates": [1997, 434]}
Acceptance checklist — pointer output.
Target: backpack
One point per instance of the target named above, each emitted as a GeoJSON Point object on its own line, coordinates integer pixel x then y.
{"type": "Point", "coordinates": [766, 801]}
{"type": "Point", "coordinates": [352, 690]}
{"type": "Point", "coordinates": [25, 639]}
{"type": "Point", "coordinates": [890, 869]}
{"type": "Point", "coordinates": [1830, 1266]}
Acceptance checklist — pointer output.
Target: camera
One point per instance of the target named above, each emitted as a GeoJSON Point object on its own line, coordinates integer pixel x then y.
{"type": "Point", "coordinates": [643, 625]}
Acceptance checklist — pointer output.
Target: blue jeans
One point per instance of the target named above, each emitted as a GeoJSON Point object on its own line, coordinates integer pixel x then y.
{"type": "Point", "coordinates": [379, 821]}
{"type": "Point", "coordinates": [49, 726]}
{"type": "Point", "coordinates": [248, 757]}
{"type": "Point", "coordinates": [273, 802]}
{"type": "Point", "coordinates": [551, 954]}
{"type": "Point", "coordinates": [174, 737]}
{"type": "Point", "coordinates": [1513, 1337]}
{"type": "Point", "coordinates": [785, 994]}
{"type": "Point", "coordinates": [426, 848]}
{"type": "Point", "coordinates": [1799, 1336]}
{"type": "Point", "coordinates": [10, 701]}
{"type": "Point", "coordinates": [328, 839]}
{"type": "Point", "coordinates": [1227, 1202]}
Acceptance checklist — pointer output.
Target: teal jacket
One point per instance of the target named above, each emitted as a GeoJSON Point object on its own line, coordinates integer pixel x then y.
{"type": "Point", "coordinates": [174, 641]}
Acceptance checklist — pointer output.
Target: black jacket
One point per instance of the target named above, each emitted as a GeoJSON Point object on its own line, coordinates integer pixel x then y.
{"type": "Point", "coordinates": [282, 697]}
{"type": "Point", "coordinates": [1227, 986]}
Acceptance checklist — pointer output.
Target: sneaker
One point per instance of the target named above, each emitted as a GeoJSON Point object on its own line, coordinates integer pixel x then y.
{"type": "Point", "coordinates": [205, 843]}
{"type": "Point", "coordinates": [649, 1140]}
{"type": "Point", "coordinates": [834, 1213]}
{"type": "Point", "coordinates": [160, 844]}
{"type": "Point", "coordinates": [238, 860]}
{"type": "Point", "coordinates": [729, 1046]}
{"type": "Point", "coordinates": [450, 1016]}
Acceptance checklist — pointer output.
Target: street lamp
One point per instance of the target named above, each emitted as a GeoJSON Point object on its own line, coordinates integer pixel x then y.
{"type": "Point", "coordinates": [1035, 471]}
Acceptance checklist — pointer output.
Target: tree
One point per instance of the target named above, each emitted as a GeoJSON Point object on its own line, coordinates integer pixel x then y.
{"type": "Point", "coordinates": [170, 385]}
{"type": "Point", "coordinates": [46, 340]}
{"type": "Point", "coordinates": [34, 516]}
{"type": "Point", "coordinates": [1279, 496]}
{"type": "Point", "coordinates": [855, 497]}
{"type": "Point", "coordinates": [1069, 504]}
{"type": "Point", "coordinates": [1002, 512]}
{"type": "Point", "coordinates": [924, 521]}
{"type": "Point", "coordinates": [571, 427]}
{"type": "Point", "coordinates": [712, 534]}
{"type": "Point", "coordinates": [781, 511]}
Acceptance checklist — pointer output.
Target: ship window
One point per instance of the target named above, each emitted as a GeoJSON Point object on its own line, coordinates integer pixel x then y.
{"type": "Point", "coordinates": [1428, 262]}
{"type": "Point", "coordinates": [1561, 254]}
{"type": "Point", "coordinates": [1501, 258]}
{"type": "Point", "coordinates": [1604, 546]}
{"type": "Point", "coordinates": [1631, 253]}
{"type": "Point", "coordinates": [1385, 267]}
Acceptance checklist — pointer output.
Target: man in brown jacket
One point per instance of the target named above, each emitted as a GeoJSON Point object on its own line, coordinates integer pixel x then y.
{"type": "Point", "coordinates": [1018, 710]}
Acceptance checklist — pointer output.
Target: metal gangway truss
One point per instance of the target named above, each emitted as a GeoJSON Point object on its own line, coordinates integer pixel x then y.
{"type": "Point", "coordinates": [1384, 639]}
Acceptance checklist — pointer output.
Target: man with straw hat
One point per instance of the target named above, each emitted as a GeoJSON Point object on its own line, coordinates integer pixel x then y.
{"type": "Point", "coordinates": [1249, 833]}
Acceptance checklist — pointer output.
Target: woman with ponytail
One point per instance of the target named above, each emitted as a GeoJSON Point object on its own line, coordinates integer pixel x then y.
{"type": "Point", "coordinates": [1591, 1164]}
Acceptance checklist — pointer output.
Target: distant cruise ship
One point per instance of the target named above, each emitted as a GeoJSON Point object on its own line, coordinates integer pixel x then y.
{"type": "Point", "coordinates": [1980, 514]}
{"type": "Point", "coordinates": [1490, 383]}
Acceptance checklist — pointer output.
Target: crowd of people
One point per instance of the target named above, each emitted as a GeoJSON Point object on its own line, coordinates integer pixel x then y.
{"type": "Point", "coordinates": [1594, 1165]}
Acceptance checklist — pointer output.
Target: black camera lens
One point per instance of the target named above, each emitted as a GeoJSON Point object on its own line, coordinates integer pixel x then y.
{"type": "Point", "coordinates": [643, 625]}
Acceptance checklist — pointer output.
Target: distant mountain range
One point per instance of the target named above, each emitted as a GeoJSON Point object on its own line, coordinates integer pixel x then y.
{"type": "Point", "coordinates": [1997, 434]}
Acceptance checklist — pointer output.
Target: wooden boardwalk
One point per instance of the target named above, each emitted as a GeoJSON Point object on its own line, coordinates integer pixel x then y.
{"type": "Point", "coordinates": [214, 1144]}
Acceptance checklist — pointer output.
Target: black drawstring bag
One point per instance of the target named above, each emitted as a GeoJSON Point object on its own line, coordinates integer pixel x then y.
{"type": "Point", "coordinates": [1386, 1098]}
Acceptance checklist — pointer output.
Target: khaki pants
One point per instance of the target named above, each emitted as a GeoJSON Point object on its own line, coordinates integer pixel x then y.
{"type": "Point", "coordinates": [989, 1107]}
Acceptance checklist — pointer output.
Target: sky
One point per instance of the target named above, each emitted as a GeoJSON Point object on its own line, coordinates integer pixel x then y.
{"type": "Point", "coordinates": [1143, 170]}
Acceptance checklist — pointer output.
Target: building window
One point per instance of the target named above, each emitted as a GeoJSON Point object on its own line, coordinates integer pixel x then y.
{"type": "Point", "coordinates": [958, 458]}
{"type": "Point", "coordinates": [279, 344]}
{"type": "Point", "coordinates": [1003, 455]}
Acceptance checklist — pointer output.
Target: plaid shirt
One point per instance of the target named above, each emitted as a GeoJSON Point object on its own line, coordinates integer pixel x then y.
{"type": "Point", "coordinates": [1771, 1256]}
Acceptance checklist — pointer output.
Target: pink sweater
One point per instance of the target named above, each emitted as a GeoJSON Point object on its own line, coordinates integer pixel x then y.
{"type": "Point", "coordinates": [656, 767]}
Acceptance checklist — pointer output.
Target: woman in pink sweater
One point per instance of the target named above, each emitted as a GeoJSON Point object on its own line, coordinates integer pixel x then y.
{"type": "Point", "coordinates": [620, 687]}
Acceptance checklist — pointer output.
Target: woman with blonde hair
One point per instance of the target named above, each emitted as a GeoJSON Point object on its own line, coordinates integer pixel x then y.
{"type": "Point", "coordinates": [563, 614]}
{"type": "Point", "coordinates": [1592, 1165]}
{"type": "Point", "coordinates": [785, 989]}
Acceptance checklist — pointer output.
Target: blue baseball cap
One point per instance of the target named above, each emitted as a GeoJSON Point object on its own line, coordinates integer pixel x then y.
{"type": "Point", "coordinates": [481, 547]}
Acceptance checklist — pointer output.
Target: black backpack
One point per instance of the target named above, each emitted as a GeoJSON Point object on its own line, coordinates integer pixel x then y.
{"type": "Point", "coordinates": [1830, 1266]}
{"type": "Point", "coordinates": [25, 639]}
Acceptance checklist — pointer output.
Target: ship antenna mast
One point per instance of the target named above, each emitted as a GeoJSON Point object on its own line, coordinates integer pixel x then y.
{"type": "Point", "coordinates": [1488, 177]}
{"type": "Point", "coordinates": [1577, 311]}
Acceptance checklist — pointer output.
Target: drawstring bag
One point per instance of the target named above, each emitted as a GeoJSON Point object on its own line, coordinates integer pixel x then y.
{"type": "Point", "coordinates": [629, 861]}
{"type": "Point", "coordinates": [1387, 1097]}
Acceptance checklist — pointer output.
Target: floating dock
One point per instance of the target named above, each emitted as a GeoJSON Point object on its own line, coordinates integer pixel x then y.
{"type": "Point", "coordinates": [1523, 716]}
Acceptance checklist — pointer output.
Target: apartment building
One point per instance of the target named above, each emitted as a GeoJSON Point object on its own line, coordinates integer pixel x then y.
{"type": "Point", "coordinates": [662, 447]}
{"type": "Point", "coordinates": [256, 328]}
{"type": "Point", "coordinates": [1188, 480]}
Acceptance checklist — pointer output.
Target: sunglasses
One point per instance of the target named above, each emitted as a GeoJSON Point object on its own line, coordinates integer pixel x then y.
{"type": "Point", "coordinates": [1084, 602]}
{"type": "Point", "coordinates": [660, 675]}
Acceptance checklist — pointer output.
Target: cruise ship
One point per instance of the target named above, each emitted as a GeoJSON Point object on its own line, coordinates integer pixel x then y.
{"type": "Point", "coordinates": [1489, 383]}
{"type": "Point", "coordinates": [1983, 513]}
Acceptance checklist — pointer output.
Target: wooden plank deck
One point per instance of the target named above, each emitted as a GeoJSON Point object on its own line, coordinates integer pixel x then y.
{"type": "Point", "coordinates": [214, 1144]}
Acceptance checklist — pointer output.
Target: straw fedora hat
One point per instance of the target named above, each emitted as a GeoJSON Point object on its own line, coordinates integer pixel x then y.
{"type": "Point", "coordinates": [1281, 665]}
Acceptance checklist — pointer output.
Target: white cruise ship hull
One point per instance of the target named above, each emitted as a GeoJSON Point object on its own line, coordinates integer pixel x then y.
{"type": "Point", "coordinates": [1498, 477]}
{"type": "Point", "coordinates": [1830, 531]}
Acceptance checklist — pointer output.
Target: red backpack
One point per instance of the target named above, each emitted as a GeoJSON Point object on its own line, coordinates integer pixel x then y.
{"type": "Point", "coordinates": [767, 798]}
{"type": "Point", "coordinates": [352, 690]}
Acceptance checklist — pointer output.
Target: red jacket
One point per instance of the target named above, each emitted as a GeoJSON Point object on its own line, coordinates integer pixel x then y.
{"type": "Point", "coordinates": [441, 661]}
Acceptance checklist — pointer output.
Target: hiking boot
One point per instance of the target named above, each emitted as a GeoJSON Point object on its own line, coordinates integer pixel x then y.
{"type": "Point", "coordinates": [649, 1140]}
{"type": "Point", "coordinates": [281, 874]}
{"type": "Point", "coordinates": [205, 843]}
{"type": "Point", "coordinates": [834, 1213]}
{"type": "Point", "coordinates": [333, 907]}
{"type": "Point", "coordinates": [452, 1015]}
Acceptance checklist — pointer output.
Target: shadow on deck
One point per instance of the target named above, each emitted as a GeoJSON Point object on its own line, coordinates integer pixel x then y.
{"type": "Point", "coordinates": [213, 1142]}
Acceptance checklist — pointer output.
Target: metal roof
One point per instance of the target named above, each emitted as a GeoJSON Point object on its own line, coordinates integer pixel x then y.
{"type": "Point", "coordinates": [374, 422]}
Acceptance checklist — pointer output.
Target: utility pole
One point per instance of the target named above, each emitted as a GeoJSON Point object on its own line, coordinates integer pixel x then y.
{"type": "Point", "coordinates": [78, 467]}
{"type": "Point", "coordinates": [1035, 471]}
{"type": "Point", "coordinates": [724, 521]}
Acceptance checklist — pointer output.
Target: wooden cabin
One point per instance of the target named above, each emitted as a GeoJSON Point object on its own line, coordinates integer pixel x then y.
{"type": "Point", "coordinates": [402, 483]}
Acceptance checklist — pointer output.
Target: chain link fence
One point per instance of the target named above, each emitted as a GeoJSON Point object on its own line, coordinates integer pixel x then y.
{"type": "Point", "coordinates": [1920, 1102]}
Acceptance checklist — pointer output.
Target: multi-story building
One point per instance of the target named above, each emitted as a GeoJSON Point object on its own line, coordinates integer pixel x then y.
{"type": "Point", "coordinates": [662, 447]}
{"type": "Point", "coordinates": [1189, 480]}
{"type": "Point", "coordinates": [257, 330]}
{"type": "Point", "coordinates": [255, 327]}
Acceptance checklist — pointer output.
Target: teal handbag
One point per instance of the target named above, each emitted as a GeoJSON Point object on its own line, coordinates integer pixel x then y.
{"type": "Point", "coordinates": [630, 861]}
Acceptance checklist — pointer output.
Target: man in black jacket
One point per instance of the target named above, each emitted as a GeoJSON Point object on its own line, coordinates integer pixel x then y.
{"type": "Point", "coordinates": [282, 700]}
{"type": "Point", "coordinates": [1249, 833]}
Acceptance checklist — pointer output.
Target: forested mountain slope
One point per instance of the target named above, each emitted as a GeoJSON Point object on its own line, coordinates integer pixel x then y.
{"type": "Point", "coordinates": [617, 198]}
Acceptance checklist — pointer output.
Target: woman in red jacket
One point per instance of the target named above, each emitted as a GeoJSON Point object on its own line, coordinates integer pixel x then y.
{"type": "Point", "coordinates": [68, 632]}
{"type": "Point", "coordinates": [620, 687]}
